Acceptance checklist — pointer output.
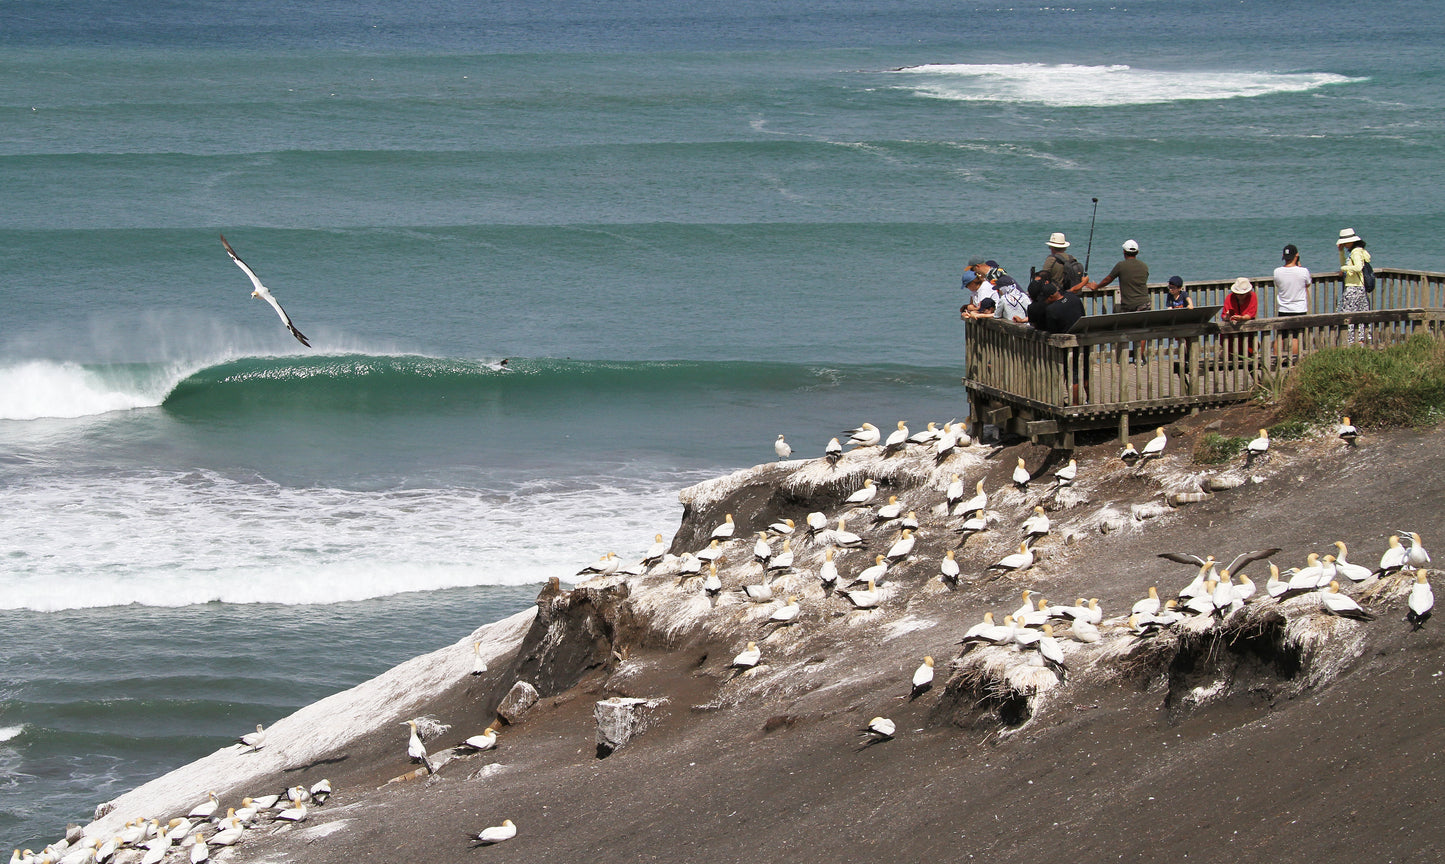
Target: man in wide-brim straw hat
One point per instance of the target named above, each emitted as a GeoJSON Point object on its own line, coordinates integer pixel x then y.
{"type": "Point", "coordinates": [1240, 304]}
{"type": "Point", "coordinates": [1057, 266]}
{"type": "Point", "coordinates": [1353, 258]}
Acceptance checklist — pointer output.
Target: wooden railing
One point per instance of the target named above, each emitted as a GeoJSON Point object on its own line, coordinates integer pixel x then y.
{"type": "Point", "coordinates": [1079, 377]}
{"type": "Point", "coordinates": [1395, 289]}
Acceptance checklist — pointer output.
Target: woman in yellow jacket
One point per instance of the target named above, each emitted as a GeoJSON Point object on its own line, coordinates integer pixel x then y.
{"type": "Point", "coordinates": [1353, 257]}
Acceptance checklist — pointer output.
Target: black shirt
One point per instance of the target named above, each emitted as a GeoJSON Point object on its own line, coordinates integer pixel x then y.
{"type": "Point", "coordinates": [1060, 315]}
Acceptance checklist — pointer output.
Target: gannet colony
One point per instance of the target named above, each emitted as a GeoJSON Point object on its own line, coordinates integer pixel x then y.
{"type": "Point", "coordinates": [997, 594]}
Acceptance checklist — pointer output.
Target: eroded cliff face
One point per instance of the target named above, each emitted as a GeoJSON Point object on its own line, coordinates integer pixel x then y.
{"type": "Point", "coordinates": [1000, 733]}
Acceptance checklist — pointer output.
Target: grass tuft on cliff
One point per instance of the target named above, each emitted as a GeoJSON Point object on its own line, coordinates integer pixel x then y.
{"type": "Point", "coordinates": [1402, 385]}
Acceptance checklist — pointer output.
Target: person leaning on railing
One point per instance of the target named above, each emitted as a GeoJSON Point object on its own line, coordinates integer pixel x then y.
{"type": "Point", "coordinates": [1240, 304]}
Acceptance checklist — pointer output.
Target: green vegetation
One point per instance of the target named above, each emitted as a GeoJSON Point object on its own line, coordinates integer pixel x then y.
{"type": "Point", "coordinates": [1214, 448]}
{"type": "Point", "coordinates": [1402, 385]}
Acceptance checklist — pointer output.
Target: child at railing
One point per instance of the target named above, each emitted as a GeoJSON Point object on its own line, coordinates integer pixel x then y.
{"type": "Point", "coordinates": [1178, 298]}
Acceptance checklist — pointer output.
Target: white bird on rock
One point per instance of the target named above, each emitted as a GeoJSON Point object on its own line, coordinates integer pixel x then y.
{"type": "Point", "coordinates": [297, 811]}
{"type": "Point", "coordinates": [264, 293]}
{"type": "Point", "coordinates": [897, 439]}
{"type": "Point", "coordinates": [1422, 600]}
{"type": "Point", "coordinates": [497, 833]}
{"type": "Point", "coordinates": [711, 584]}
{"type": "Point", "coordinates": [978, 502]}
{"type": "Point", "coordinates": [1394, 559]}
{"type": "Point", "coordinates": [762, 549]}
{"type": "Point", "coordinates": [204, 809]}
{"type": "Point", "coordinates": [1129, 454]}
{"type": "Point", "coordinates": [1155, 446]}
{"type": "Point", "coordinates": [254, 740]}
{"type": "Point", "coordinates": [655, 551]}
{"type": "Point", "coordinates": [865, 598]}
{"type": "Point", "coordinates": [890, 511]}
{"type": "Point", "coordinates": [415, 749]}
{"type": "Point", "coordinates": [1352, 572]}
{"type": "Point", "coordinates": [833, 452]}
{"type": "Point", "coordinates": [1258, 447]}
{"type": "Point", "coordinates": [1347, 432]}
{"type": "Point", "coordinates": [1038, 524]}
{"type": "Point", "coordinates": [922, 679]}
{"type": "Point", "coordinates": [484, 741]}
{"type": "Point", "coordinates": [864, 495]}
{"type": "Point", "coordinates": [748, 658]}
{"type": "Point", "coordinates": [927, 436]}
{"type": "Point", "coordinates": [479, 663]}
{"type": "Point", "coordinates": [864, 436]}
{"type": "Point", "coordinates": [1020, 560]}
{"type": "Point", "coordinates": [726, 529]}
{"type": "Point", "coordinates": [902, 548]}
{"type": "Point", "coordinates": [1416, 554]}
{"type": "Point", "coordinates": [711, 553]}
{"type": "Point", "coordinates": [880, 729]}
{"type": "Point", "coordinates": [784, 559]}
{"type": "Point", "coordinates": [782, 448]}
{"type": "Point", "coordinates": [1021, 475]}
{"type": "Point", "coordinates": [1066, 475]}
{"type": "Point", "coordinates": [1149, 605]}
{"type": "Point", "coordinates": [784, 528]}
{"type": "Point", "coordinates": [1342, 604]}
{"type": "Point", "coordinates": [948, 568]}
{"type": "Point", "coordinates": [817, 521]}
{"type": "Point", "coordinates": [954, 493]}
{"type": "Point", "coordinates": [828, 570]}
{"type": "Point", "coordinates": [843, 538]}
{"type": "Point", "coordinates": [200, 852]}
{"type": "Point", "coordinates": [787, 613]}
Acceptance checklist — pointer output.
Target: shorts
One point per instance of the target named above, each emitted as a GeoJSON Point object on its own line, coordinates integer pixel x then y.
{"type": "Point", "coordinates": [1291, 315]}
{"type": "Point", "coordinates": [1138, 307]}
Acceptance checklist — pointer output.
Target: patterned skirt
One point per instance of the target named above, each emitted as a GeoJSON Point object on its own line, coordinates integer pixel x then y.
{"type": "Point", "coordinates": [1356, 300]}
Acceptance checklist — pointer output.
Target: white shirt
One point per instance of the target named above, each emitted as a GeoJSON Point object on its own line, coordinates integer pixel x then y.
{"type": "Point", "coordinates": [1292, 289]}
{"type": "Point", "coordinates": [983, 292]}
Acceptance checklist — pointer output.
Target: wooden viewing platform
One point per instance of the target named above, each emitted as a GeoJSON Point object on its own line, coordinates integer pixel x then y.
{"type": "Point", "coordinates": [1022, 380]}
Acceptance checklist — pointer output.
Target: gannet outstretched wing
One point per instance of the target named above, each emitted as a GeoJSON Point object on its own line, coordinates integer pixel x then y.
{"type": "Point", "coordinates": [264, 293]}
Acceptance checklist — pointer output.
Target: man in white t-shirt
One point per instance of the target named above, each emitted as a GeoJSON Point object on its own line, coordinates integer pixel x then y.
{"type": "Point", "coordinates": [1291, 298]}
{"type": "Point", "coordinates": [979, 290]}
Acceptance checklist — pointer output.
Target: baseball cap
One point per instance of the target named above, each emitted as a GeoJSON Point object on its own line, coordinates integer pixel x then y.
{"type": "Point", "coordinates": [1290, 251]}
{"type": "Point", "coordinates": [1176, 281]}
{"type": "Point", "coordinates": [1131, 246]}
{"type": "Point", "coordinates": [976, 260]}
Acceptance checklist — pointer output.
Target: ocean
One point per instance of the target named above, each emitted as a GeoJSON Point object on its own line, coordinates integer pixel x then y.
{"type": "Point", "coordinates": [689, 227]}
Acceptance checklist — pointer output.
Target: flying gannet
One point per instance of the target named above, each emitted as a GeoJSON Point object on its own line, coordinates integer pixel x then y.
{"type": "Point", "coordinates": [264, 293]}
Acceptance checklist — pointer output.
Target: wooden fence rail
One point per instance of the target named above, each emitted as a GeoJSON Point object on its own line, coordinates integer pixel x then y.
{"type": "Point", "coordinates": [1050, 385]}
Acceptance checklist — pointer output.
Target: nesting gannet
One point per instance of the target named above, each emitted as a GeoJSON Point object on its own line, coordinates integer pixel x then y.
{"type": "Point", "coordinates": [784, 559]}
{"type": "Point", "coordinates": [954, 493]}
{"type": "Point", "coordinates": [1308, 578]}
{"type": "Point", "coordinates": [828, 571]}
{"type": "Point", "coordinates": [782, 448]}
{"type": "Point", "coordinates": [927, 436]}
{"type": "Point", "coordinates": [1422, 600]}
{"type": "Point", "coordinates": [946, 443]}
{"type": "Point", "coordinates": [1258, 447]}
{"type": "Point", "coordinates": [864, 495]}
{"type": "Point", "coordinates": [909, 520]}
{"type": "Point", "coordinates": [1084, 631]}
{"type": "Point", "coordinates": [606, 565]}
{"type": "Point", "coordinates": [986, 631]}
{"type": "Point", "coordinates": [655, 551]}
{"type": "Point", "coordinates": [297, 811]}
{"type": "Point", "coordinates": [865, 598]}
{"type": "Point", "coordinates": [784, 528]}
{"type": "Point", "coordinates": [1274, 587]}
{"type": "Point", "coordinates": [1352, 572]}
{"type": "Point", "coordinates": [1020, 560]}
{"type": "Point", "coordinates": [479, 663]}
{"type": "Point", "coordinates": [1416, 554]}
{"type": "Point", "coordinates": [879, 729]}
{"type": "Point", "coordinates": [134, 832]}
{"type": "Point", "coordinates": [1342, 604]}
{"type": "Point", "coordinates": [864, 436]}
{"type": "Point", "coordinates": [711, 553]}
{"type": "Point", "coordinates": [1243, 590]}
{"type": "Point", "coordinates": [298, 793]}
{"type": "Point", "coordinates": [264, 293]}
{"type": "Point", "coordinates": [1021, 475]}
{"type": "Point", "coordinates": [726, 529]}
{"type": "Point", "coordinates": [948, 568]}
{"type": "Point", "coordinates": [1027, 607]}
{"type": "Point", "coordinates": [1053, 654]}
{"type": "Point", "coordinates": [977, 503]}
{"type": "Point", "coordinates": [200, 852]}
{"type": "Point", "coordinates": [1065, 475]}
{"type": "Point", "coordinates": [485, 741]}
{"type": "Point", "coordinates": [1129, 454]}
{"type": "Point", "coordinates": [204, 809]}
{"type": "Point", "coordinates": [833, 452]}
{"type": "Point", "coordinates": [711, 584]}
{"type": "Point", "coordinates": [254, 740]}
{"type": "Point", "coordinates": [320, 791]}
{"type": "Point", "coordinates": [1347, 432]}
{"type": "Point", "coordinates": [1037, 617]}
{"type": "Point", "coordinates": [228, 836]}
{"type": "Point", "coordinates": [785, 614]}
{"type": "Point", "coordinates": [414, 749]}
{"type": "Point", "coordinates": [1393, 559]}
{"type": "Point", "coordinates": [760, 593]}
{"type": "Point", "coordinates": [762, 549]}
{"type": "Point", "coordinates": [843, 538]}
{"type": "Point", "coordinates": [1223, 596]}
{"type": "Point", "coordinates": [874, 572]}
{"type": "Point", "coordinates": [817, 521]}
{"type": "Point", "coordinates": [157, 847]}
{"type": "Point", "coordinates": [902, 547]}
{"type": "Point", "coordinates": [1155, 446]}
{"type": "Point", "coordinates": [972, 526]}
{"type": "Point", "coordinates": [748, 658]}
{"type": "Point", "coordinates": [266, 802]}
{"type": "Point", "coordinates": [1038, 524]}
{"type": "Point", "coordinates": [890, 511]}
{"type": "Point", "coordinates": [922, 679]}
{"type": "Point", "coordinates": [497, 833]}
{"type": "Point", "coordinates": [1149, 605]}
{"type": "Point", "coordinates": [897, 439]}
{"type": "Point", "coordinates": [107, 850]}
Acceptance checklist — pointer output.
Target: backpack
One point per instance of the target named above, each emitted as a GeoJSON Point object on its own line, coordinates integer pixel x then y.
{"type": "Point", "coordinates": [1073, 270]}
{"type": "Point", "coordinates": [1367, 273]}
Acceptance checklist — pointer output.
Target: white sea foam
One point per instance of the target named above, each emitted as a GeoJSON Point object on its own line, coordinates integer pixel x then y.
{"type": "Point", "coordinates": [1068, 85]}
{"type": "Point", "coordinates": [39, 388]}
{"type": "Point", "coordinates": [8, 732]}
{"type": "Point", "coordinates": [175, 539]}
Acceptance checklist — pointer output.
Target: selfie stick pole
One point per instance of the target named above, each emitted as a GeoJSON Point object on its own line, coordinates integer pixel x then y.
{"type": "Point", "coordinates": [1090, 250]}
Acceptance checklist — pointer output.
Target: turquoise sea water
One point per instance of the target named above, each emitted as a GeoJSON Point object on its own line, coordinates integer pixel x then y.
{"type": "Point", "coordinates": [689, 226]}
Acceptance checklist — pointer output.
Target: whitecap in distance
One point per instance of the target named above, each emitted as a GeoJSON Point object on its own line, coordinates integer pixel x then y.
{"type": "Point", "coordinates": [1073, 86]}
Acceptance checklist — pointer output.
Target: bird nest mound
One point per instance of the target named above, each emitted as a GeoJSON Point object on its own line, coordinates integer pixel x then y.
{"type": "Point", "coordinates": [995, 689]}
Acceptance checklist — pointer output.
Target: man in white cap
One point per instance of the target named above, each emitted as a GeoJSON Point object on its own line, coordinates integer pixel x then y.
{"type": "Point", "coordinates": [1060, 269]}
{"type": "Point", "coordinates": [1133, 276]}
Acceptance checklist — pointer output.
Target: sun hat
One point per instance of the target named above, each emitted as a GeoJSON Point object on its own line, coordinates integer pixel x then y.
{"type": "Point", "coordinates": [1176, 282]}
{"type": "Point", "coordinates": [1242, 285]}
{"type": "Point", "coordinates": [1347, 235]}
{"type": "Point", "coordinates": [1057, 241]}
{"type": "Point", "coordinates": [1290, 251]}
{"type": "Point", "coordinates": [1131, 246]}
